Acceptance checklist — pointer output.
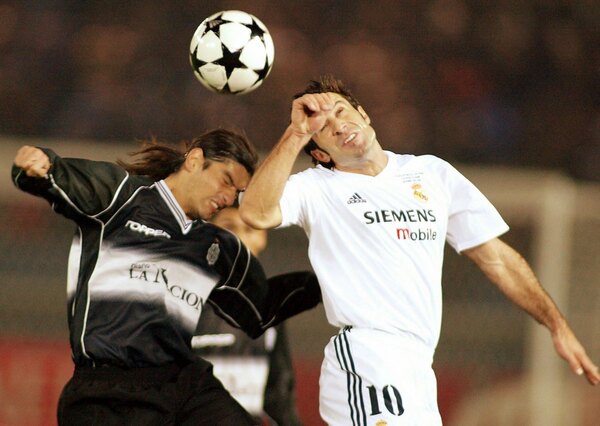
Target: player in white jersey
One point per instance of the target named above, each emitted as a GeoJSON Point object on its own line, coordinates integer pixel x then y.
{"type": "Point", "coordinates": [377, 223]}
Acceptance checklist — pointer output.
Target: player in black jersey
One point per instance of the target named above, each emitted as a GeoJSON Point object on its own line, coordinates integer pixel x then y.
{"type": "Point", "coordinates": [257, 372]}
{"type": "Point", "coordinates": [143, 264]}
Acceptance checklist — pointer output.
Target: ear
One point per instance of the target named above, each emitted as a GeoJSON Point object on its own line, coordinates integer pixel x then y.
{"type": "Point", "coordinates": [364, 114]}
{"type": "Point", "coordinates": [320, 155]}
{"type": "Point", "coordinates": [194, 159]}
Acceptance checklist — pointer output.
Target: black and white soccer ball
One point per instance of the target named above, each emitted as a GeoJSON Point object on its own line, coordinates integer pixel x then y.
{"type": "Point", "coordinates": [232, 52]}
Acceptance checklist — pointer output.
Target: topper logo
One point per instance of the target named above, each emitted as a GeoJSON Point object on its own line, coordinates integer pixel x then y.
{"type": "Point", "coordinates": [143, 229]}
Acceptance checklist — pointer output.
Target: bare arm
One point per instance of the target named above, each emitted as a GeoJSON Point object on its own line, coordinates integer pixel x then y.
{"type": "Point", "coordinates": [259, 207]}
{"type": "Point", "coordinates": [514, 277]}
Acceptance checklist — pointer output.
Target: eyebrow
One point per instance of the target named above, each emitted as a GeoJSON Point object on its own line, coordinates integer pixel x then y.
{"type": "Point", "coordinates": [232, 181]}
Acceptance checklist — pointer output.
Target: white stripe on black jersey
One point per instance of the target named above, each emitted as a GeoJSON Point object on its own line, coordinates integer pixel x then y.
{"type": "Point", "coordinates": [140, 273]}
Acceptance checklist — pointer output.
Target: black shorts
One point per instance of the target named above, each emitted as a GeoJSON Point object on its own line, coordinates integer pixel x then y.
{"type": "Point", "coordinates": [169, 395]}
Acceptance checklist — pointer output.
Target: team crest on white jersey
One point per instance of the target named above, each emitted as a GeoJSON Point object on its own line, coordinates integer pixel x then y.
{"type": "Point", "coordinates": [355, 198]}
{"type": "Point", "coordinates": [213, 253]}
{"type": "Point", "coordinates": [418, 192]}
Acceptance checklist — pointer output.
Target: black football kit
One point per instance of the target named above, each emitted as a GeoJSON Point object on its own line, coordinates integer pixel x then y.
{"type": "Point", "coordinates": [140, 275]}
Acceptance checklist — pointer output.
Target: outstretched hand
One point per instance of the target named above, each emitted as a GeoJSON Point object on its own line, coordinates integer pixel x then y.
{"type": "Point", "coordinates": [309, 113]}
{"type": "Point", "coordinates": [33, 161]}
{"type": "Point", "coordinates": [569, 348]}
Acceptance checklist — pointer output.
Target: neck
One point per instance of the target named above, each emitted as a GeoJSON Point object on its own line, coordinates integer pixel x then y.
{"type": "Point", "coordinates": [370, 165]}
{"type": "Point", "coordinates": [176, 188]}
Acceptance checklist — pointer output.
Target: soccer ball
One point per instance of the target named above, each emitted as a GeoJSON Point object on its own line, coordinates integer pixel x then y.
{"type": "Point", "coordinates": [231, 52]}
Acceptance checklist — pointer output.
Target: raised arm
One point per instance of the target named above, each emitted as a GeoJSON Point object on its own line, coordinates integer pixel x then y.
{"type": "Point", "coordinates": [259, 207]}
{"type": "Point", "coordinates": [75, 187]}
{"type": "Point", "coordinates": [514, 277]}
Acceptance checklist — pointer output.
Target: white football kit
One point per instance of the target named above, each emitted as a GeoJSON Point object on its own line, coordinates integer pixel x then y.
{"type": "Point", "coordinates": [376, 244]}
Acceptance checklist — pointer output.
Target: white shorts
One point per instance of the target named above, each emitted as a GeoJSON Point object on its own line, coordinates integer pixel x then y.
{"type": "Point", "coordinates": [371, 377]}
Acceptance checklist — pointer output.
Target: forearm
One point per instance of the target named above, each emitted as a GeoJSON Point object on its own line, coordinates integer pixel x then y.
{"type": "Point", "coordinates": [260, 204]}
{"type": "Point", "coordinates": [507, 269]}
{"type": "Point", "coordinates": [513, 276]}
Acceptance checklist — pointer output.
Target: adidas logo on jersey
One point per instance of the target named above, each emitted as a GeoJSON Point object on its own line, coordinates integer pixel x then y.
{"type": "Point", "coordinates": [356, 199]}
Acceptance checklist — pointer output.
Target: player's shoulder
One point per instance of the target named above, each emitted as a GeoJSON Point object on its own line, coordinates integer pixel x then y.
{"type": "Point", "coordinates": [313, 174]}
{"type": "Point", "coordinates": [421, 161]}
{"type": "Point", "coordinates": [317, 170]}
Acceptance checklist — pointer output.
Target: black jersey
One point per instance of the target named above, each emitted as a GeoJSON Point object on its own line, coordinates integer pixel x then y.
{"type": "Point", "coordinates": [258, 373]}
{"type": "Point", "coordinates": [140, 273]}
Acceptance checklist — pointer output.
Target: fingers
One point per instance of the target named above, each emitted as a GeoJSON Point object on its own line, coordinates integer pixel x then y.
{"type": "Point", "coordinates": [33, 161]}
{"type": "Point", "coordinates": [573, 352]}
{"type": "Point", "coordinates": [309, 112]}
{"type": "Point", "coordinates": [591, 371]}
{"type": "Point", "coordinates": [315, 102]}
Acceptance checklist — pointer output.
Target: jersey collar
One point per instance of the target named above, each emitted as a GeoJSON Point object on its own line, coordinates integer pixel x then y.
{"type": "Point", "coordinates": [184, 222]}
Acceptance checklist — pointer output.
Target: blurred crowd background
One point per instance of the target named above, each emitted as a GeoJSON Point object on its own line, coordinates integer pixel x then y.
{"type": "Point", "coordinates": [478, 83]}
{"type": "Point", "coordinates": [504, 82]}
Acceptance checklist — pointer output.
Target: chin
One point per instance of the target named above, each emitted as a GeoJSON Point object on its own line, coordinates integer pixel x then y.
{"type": "Point", "coordinates": [209, 215]}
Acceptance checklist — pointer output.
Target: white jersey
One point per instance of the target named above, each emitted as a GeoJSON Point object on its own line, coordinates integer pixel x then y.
{"type": "Point", "coordinates": [376, 243]}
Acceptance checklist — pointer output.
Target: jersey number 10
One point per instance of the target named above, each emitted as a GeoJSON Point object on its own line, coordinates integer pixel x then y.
{"type": "Point", "coordinates": [389, 393]}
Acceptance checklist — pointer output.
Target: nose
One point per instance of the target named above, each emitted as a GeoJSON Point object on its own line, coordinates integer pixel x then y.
{"type": "Point", "coordinates": [338, 126]}
{"type": "Point", "coordinates": [229, 196]}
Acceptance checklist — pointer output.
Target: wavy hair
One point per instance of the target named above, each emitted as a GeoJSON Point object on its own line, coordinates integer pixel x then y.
{"type": "Point", "coordinates": [158, 160]}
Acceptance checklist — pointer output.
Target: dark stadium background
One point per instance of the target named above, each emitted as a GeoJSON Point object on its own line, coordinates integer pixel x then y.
{"type": "Point", "coordinates": [480, 83]}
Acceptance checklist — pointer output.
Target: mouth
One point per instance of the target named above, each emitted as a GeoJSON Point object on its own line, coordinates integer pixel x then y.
{"type": "Point", "coordinates": [349, 139]}
{"type": "Point", "coordinates": [215, 206]}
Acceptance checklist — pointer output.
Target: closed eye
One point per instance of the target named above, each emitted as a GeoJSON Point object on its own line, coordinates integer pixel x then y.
{"type": "Point", "coordinates": [337, 114]}
{"type": "Point", "coordinates": [228, 180]}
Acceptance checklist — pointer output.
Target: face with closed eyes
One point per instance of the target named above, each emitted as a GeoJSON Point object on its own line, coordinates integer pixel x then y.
{"type": "Point", "coordinates": [346, 136]}
{"type": "Point", "coordinates": [203, 187]}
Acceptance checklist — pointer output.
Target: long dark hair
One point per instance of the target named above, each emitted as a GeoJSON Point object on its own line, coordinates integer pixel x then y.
{"type": "Point", "coordinates": [326, 84]}
{"type": "Point", "coordinates": [159, 160]}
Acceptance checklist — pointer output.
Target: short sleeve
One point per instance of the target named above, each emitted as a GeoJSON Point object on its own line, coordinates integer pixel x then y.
{"type": "Point", "coordinates": [293, 202]}
{"type": "Point", "coordinates": [472, 219]}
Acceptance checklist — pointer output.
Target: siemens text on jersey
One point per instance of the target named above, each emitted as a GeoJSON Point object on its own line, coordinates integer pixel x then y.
{"type": "Point", "coordinates": [378, 216]}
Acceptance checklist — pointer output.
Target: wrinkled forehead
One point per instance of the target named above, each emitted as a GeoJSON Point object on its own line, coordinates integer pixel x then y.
{"type": "Point", "coordinates": [239, 175]}
{"type": "Point", "coordinates": [233, 172]}
{"type": "Point", "coordinates": [336, 97]}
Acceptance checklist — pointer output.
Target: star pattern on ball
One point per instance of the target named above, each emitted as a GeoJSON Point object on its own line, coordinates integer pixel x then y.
{"type": "Point", "coordinates": [262, 74]}
{"type": "Point", "coordinates": [219, 68]}
{"type": "Point", "coordinates": [230, 60]}
{"type": "Point", "coordinates": [256, 30]}
{"type": "Point", "coordinates": [214, 25]}
{"type": "Point", "coordinates": [196, 63]}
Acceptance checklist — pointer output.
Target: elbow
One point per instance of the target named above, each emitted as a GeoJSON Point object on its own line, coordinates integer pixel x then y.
{"type": "Point", "coordinates": [254, 219]}
{"type": "Point", "coordinates": [248, 217]}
